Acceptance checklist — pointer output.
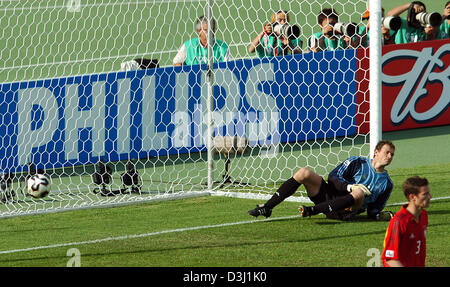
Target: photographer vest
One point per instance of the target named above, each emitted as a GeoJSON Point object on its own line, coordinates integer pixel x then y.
{"type": "Point", "coordinates": [327, 44]}
{"type": "Point", "coordinates": [444, 30]}
{"type": "Point", "coordinates": [364, 35]}
{"type": "Point", "coordinates": [267, 47]}
{"type": "Point", "coordinates": [409, 34]}
{"type": "Point", "coordinates": [197, 54]}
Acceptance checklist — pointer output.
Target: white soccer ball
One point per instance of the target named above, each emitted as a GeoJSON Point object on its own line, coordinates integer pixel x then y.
{"type": "Point", "coordinates": [38, 186]}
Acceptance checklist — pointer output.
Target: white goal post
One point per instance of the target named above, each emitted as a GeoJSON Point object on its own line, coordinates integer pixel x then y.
{"type": "Point", "coordinates": [90, 96]}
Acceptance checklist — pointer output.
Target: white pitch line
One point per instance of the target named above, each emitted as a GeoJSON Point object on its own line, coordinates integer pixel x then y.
{"type": "Point", "coordinates": [124, 237]}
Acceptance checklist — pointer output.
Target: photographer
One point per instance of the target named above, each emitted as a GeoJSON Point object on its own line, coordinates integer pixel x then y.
{"type": "Point", "coordinates": [440, 30]}
{"type": "Point", "coordinates": [330, 38]}
{"type": "Point", "coordinates": [386, 33]}
{"type": "Point", "coordinates": [195, 51]}
{"type": "Point", "coordinates": [444, 29]}
{"type": "Point", "coordinates": [277, 38]}
{"type": "Point", "coordinates": [413, 27]}
{"type": "Point", "coordinates": [433, 33]}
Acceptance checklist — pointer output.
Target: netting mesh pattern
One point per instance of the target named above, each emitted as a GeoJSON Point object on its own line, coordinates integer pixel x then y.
{"type": "Point", "coordinates": [78, 88]}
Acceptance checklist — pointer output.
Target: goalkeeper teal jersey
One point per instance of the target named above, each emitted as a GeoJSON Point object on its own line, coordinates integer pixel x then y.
{"type": "Point", "coordinates": [197, 54]}
{"type": "Point", "coordinates": [359, 170]}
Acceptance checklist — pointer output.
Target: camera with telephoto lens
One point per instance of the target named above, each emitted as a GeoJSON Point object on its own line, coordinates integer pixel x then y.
{"type": "Point", "coordinates": [347, 29]}
{"type": "Point", "coordinates": [423, 19]}
{"type": "Point", "coordinates": [286, 30]}
{"type": "Point", "coordinates": [392, 22]}
{"type": "Point", "coordinates": [433, 19]}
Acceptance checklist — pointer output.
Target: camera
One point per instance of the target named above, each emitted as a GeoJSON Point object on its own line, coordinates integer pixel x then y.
{"type": "Point", "coordinates": [6, 193]}
{"type": "Point", "coordinates": [423, 19]}
{"type": "Point", "coordinates": [286, 30]}
{"type": "Point", "coordinates": [391, 22]}
{"type": "Point", "coordinates": [347, 29]}
{"type": "Point", "coordinates": [433, 19]}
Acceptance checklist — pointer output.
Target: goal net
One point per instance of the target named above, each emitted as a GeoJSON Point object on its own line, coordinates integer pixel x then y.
{"type": "Point", "coordinates": [90, 96]}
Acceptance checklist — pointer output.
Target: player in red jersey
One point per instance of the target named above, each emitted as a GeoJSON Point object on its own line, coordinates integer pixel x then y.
{"type": "Point", "coordinates": [405, 241]}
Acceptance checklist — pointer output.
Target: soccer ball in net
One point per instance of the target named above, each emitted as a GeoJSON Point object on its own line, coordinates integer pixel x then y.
{"type": "Point", "coordinates": [38, 186]}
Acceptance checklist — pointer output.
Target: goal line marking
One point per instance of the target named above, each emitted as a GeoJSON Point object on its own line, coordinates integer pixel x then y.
{"type": "Point", "coordinates": [124, 237]}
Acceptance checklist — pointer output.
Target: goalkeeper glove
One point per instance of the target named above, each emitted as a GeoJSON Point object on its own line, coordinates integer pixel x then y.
{"type": "Point", "coordinates": [360, 186]}
{"type": "Point", "coordinates": [384, 216]}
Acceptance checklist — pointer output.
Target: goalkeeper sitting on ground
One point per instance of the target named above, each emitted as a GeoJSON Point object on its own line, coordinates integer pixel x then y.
{"type": "Point", "coordinates": [357, 184]}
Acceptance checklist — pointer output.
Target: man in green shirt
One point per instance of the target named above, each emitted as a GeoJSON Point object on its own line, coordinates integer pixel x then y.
{"type": "Point", "coordinates": [363, 33]}
{"type": "Point", "coordinates": [434, 33]}
{"type": "Point", "coordinates": [269, 44]}
{"type": "Point", "coordinates": [411, 31]}
{"type": "Point", "coordinates": [327, 39]}
{"type": "Point", "coordinates": [195, 51]}
{"type": "Point", "coordinates": [444, 29]}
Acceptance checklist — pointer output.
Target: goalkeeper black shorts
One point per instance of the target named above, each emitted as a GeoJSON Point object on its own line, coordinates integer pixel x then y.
{"type": "Point", "coordinates": [326, 193]}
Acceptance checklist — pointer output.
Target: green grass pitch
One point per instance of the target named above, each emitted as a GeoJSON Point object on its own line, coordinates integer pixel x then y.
{"type": "Point", "coordinates": [205, 231]}
{"type": "Point", "coordinates": [216, 231]}
{"type": "Point", "coordinates": [51, 41]}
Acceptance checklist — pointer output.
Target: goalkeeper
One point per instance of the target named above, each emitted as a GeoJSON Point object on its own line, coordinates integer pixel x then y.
{"type": "Point", "coordinates": [356, 185]}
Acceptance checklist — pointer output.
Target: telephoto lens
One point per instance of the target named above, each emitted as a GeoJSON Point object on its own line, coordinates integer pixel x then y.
{"type": "Point", "coordinates": [433, 19]}
{"type": "Point", "coordinates": [347, 29]}
{"type": "Point", "coordinates": [286, 30]}
{"type": "Point", "coordinates": [392, 22]}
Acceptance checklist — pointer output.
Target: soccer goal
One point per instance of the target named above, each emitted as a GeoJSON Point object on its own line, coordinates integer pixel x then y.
{"type": "Point", "coordinates": [91, 97]}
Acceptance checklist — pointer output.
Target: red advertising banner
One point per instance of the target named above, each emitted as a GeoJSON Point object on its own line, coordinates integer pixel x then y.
{"type": "Point", "coordinates": [415, 86]}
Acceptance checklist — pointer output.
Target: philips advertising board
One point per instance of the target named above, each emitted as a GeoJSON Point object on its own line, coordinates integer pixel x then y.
{"type": "Point", "coordinates": [126, 115]}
